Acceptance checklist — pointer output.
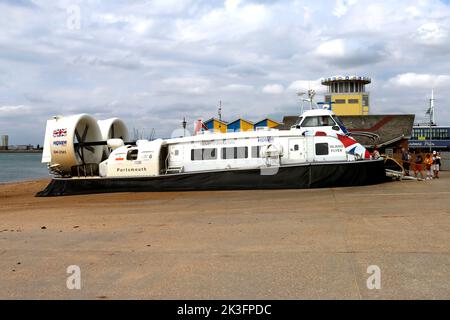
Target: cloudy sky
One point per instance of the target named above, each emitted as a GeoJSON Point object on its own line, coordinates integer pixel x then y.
{"type": "Point", "coordinates": [154, 62]}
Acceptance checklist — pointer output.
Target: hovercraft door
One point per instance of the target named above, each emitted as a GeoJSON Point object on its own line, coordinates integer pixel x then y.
{"type": "Point", "coordinates": [296, 150]}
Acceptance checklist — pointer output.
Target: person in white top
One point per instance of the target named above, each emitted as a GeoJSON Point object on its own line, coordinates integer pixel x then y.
{"type": "Point", "coordinates": [436, 164]}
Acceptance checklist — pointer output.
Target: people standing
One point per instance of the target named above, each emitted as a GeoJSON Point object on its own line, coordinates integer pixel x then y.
{"type": "Point", "coordinates": [436, 164]}
{"type": "Point", "coordinates": [418, 165]}
{"type": "Point", "coordinates": [406, 161]}
{"type": "Point", "coordinates": [376, 154]}
{"type": "Point", "coordinates": [428, 166]}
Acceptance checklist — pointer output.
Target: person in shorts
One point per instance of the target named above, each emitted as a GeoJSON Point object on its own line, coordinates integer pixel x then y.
{"type": "Point", "coordinates": [418, 168]}
{"type": "Point", "coordinates": [406, 161]}
{"type": "Point", "coordinates": [436, 164]}
{"type": "Point", "coordinates": [429, 166]}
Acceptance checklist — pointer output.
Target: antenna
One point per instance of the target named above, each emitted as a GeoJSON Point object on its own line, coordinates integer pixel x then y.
{"type": "Point", "coordinates": [301, 94]}
{"type": "Point", "coordinates": [311, 94]}
{"type": "Point", "coordinates": [432, 107]}
{"type": "Point", "coordinates": [431, 113]}
{"type": "Point", "coordinates": [219, 111]}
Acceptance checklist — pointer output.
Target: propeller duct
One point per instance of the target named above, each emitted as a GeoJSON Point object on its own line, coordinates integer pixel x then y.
{"type": "Point", "coordinates": [68, 141]}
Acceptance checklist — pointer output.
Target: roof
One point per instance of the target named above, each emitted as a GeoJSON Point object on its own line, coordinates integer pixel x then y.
{"type": "Point", "coordinates": [215, 119]}
{"type": "Point", "coordinates": [239, 120]}
{"type": "Point", "coordinates": [288, 122]}
{"type": "Point", "coordinates": [317, 112]}
{"type": "Point", "coordinates": [266, 120]}
{"type": "Point", "coordinates": [390, 127]}
{"type": "Point", "coordinates": [330, 80]}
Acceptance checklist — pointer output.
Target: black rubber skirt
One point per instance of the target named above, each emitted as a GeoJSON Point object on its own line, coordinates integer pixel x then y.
{"type": "Point", "coordinates": [313, 175]}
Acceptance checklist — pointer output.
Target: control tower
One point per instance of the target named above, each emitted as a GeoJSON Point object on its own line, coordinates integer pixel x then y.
{"type": "Point", "coordinates": [347, 95]}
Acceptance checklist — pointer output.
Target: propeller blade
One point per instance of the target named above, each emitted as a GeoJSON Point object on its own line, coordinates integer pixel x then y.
{"type": "Point", "coordinates": [90, 149]}
{"type": "Point", "coordinates": [78, 151]}
{"type": "Point", "coordinates": [78, 136]}
{"type": "Point", "coordinates": [85, 133]}
{"type": "Point", "coordinates": [82, 155]}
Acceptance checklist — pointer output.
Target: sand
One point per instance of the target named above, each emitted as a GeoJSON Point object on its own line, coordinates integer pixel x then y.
{"type": "Point", "coordinates": [270, 244]}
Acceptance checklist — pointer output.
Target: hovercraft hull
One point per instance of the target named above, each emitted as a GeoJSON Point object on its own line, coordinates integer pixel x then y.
{"type": "Point", "coordinates": [304, 176]}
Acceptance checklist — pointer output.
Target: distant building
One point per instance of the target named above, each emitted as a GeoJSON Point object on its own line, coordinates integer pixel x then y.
{"type": "Point", "coordinates": [240, 125]}
{"type": "Point", "coordinates": [5, 142]}
{"type": "Point", "coordinates": [347, 95]}
{"type": "Point", "coordinates": [438, 140]}
{"type": "Point", "coordinates": [269, 123]}
{"type": "Point", "coordinates": [216, 125]}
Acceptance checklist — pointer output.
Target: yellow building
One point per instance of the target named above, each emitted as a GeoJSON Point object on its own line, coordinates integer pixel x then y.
{"type": "Point", "coordinates": [240, 125]}
{"type": "Point", "coordinates": [266, 123]}
{"type": "Point", "coordinates": [216, 125]}
{"type": "Point", "coordinates": [347, 95]}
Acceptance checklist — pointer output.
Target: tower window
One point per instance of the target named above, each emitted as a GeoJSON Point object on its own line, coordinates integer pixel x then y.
{"type": "Point", "coordinates": [365, 101]}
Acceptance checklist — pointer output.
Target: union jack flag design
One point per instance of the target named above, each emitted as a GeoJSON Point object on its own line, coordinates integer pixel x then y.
{"type": "Point", "coordinates": [59, 133]}
{"type": "Point", "coordinates": [353, 147]}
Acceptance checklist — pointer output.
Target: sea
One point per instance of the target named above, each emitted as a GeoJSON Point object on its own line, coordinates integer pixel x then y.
{"type": "Point", "coordinates": [21, 166]}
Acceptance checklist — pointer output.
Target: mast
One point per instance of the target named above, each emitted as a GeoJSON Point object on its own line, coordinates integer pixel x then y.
{"type": "Point", "coordinates": [219, 111]}
{"type": "Point", "coordinates": [301, 94]}
{"type": "Point", "coordinates": [431, 112]}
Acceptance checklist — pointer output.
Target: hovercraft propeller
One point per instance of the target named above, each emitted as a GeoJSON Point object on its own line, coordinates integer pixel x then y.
{"type": "Point", "coordinates": [81, 144]}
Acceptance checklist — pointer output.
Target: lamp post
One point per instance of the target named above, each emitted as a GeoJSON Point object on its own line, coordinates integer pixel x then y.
{"type": "Point", "coordinates": [184, 126]}
{"type": "Point", "coordinates": [431, 112]}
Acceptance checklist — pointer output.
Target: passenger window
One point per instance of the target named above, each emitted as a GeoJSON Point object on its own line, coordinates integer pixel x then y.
{"type": "Point", "coordinates": [177, 152]}
{"type": "Point", "coordinates": [310, 122]}
{"type": "Point", "coordinates": [256, 152]}
{"type": "Point", "coordinates": [209, 154]}
{"type": "Point", "coordinates": [321, 149]}
{"type": "Point", "coordinates": [235, 153]}
{"type": "Point", "coordinates": [132, 154]}
{"type": "Point", "coordinates": [203, 154]}
{"type": "Point", "coordinates": [296, 147]}
{"type": "Point", "coordinates": [321, 121]}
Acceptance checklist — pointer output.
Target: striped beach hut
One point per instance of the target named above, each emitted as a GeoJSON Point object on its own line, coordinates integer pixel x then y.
{"type": "Point", "coordinates": [216, 125]}
{"type": "Point", "coordinates": [240, 125]}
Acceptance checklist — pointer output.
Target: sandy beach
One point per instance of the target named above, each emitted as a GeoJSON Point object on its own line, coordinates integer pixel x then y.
{"type": "Point", "coordinates": [286, 244]}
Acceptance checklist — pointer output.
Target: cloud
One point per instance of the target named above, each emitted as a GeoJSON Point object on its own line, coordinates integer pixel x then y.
{"type": "Point", "coordinates": [342, 7]}
{"type": "Point", "coordinates": [273, 89]}
{"type": "Point", "coordinates": [230, 22]}
{"type": "Point", "coordinates": [305, 85]}
{"type": "Point", "coordinates": [14, 111]}
{"type": "Point", "coordinates": [432, 33]}
{"type": "Point", "coordinates": [414, 80]}
{"type": "Point", "coordinates": [125, 62]}
{"type": "Point", "coordinates": [19, 3]}
{"type": "Point", "coordinates": [191, 85]}
{"type": "Point", "coordinates": [245, 69]}
{"type": "Point", "coordinates": [349, 52]}
{"type": "Point", "coordinates": [237, 88]}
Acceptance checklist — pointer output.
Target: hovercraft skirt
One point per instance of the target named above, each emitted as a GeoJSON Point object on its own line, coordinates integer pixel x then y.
{"type": "Point", "coordinates": [311, 175]}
